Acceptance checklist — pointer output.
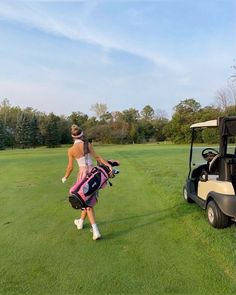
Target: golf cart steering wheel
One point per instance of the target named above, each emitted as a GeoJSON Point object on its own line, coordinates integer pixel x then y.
{"type": "Point", "coordinates": [209, 153]}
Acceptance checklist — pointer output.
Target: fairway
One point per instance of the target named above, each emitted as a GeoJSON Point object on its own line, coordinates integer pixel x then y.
{"type": "Point", "coordinates": [153, 242]}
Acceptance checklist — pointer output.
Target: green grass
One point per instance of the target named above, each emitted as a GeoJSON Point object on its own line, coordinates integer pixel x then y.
{"type": "Point", "coordinates": [153, 242]}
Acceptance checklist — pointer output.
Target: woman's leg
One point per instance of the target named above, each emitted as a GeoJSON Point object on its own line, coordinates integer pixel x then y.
{"type": "Point", "coordinates": [91, 216]}
{"type": "Point", "coordinates": [80, 222]}
{"type": "Point", "coordinates": [83, 214]}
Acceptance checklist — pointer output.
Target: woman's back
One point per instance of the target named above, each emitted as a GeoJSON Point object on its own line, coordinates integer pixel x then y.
{"type": "Point", "coordinates": [77, 152]}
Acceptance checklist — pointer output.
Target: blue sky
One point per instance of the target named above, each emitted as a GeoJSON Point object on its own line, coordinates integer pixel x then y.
{"type": "Point", "coordinates": [64, 56]}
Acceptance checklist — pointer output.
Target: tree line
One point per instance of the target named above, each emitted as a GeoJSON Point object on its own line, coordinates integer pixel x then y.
{"type": "Point", "coordinates": [26, 128]}
{"type": "Point", "coordinates": [29, 128]}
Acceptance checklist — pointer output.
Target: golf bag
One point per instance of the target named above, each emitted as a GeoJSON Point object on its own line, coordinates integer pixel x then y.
{"type": "Point", "coordinates": [84, 193]}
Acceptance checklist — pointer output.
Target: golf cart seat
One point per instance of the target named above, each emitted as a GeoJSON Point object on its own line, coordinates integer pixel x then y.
{"type": "Point", "coordinates": [198, 171]}
{"type": "Point", "coordinates": [197, 174]}
{"type": "Point", "coordinates": [227, 168]}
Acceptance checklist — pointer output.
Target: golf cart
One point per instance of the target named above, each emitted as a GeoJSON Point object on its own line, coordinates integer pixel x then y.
{"type": "Point", "coordinates": [211, 182]}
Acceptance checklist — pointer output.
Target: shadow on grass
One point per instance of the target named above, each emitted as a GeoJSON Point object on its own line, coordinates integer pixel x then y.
{"type": "Point", "coordinates": [172, 214]}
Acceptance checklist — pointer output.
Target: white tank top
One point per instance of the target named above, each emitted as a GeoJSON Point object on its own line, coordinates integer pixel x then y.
{"type": "Point", "coordinates": [85, 160]}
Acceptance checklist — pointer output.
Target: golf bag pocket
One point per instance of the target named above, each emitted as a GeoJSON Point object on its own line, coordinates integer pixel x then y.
{"type": "Point", "coordinates": [86, 190]}
{"type": "Point", "coordinates": [76, 202]}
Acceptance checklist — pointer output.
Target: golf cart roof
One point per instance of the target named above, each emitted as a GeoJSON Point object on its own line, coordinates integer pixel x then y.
{"type": "Point", "coordinates": [211, 123]}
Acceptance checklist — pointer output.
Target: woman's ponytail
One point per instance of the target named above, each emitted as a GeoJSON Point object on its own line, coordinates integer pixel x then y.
{"type": "Point", "coordinates": [77, 133]}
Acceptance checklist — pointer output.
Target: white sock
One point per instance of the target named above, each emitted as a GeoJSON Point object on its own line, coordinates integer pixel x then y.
{"type": "Point", "coordinates": [95, 227]}
{"type": "Point", "coordinates": [81, 221]}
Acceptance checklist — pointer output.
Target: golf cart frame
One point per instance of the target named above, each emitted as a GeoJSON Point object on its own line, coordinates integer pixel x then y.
{"type": "Point", "coordinates": [213, 185]}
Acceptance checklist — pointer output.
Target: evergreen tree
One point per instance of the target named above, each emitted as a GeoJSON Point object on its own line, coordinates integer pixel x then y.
{"type": "Point", "coordinates": [23, 135]}
{"type": "Point", "coordinates": [52, 136]}
{"type": "Point", "coordinates": [36, 137]}
{"type": "Point", "coordinates": [64, 127]}
{"type": "Point", "coordinates": [2, 135]}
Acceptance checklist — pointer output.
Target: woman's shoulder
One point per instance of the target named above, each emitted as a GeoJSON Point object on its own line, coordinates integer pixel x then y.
{"type": "Point", "coordinates": [70, 150]}
{"type": "Point", "coordinates": [76, 151]}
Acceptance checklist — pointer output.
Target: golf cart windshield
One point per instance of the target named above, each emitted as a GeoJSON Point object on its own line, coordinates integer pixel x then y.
{"type": "Point", "coordinates": [198, 152]}
{"type": "Point", "coordinates": [200, 155]}
{"type": "Point", "coordinates": [221, 131]}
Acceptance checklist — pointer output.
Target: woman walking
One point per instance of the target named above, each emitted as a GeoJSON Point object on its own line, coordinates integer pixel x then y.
{"type": "Point", "coordinates": [82, 151]}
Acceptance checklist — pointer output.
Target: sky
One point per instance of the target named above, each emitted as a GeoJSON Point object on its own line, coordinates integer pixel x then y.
{"type": "Point", "coordinates": [65, 56]}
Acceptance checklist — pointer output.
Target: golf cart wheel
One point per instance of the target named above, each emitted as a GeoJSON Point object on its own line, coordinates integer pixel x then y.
{"type": "Point", "coordinates": [186, 196]}
{"type": "Point", "coordinates": [215, 216]}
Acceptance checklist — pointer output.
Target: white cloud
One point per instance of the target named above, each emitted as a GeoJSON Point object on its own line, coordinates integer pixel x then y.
{"type": "Point", "coordinates": [34, 16]}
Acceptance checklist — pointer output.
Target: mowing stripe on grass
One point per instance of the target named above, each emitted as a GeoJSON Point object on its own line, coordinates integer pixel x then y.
{"type": "Point", "coordinates": [152, 241]}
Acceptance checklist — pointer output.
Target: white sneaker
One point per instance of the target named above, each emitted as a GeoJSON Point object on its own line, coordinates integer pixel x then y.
{"type": "Point", "coordinates": [78, 223]}
{"type": "Point", "coordinates": [96, 235]}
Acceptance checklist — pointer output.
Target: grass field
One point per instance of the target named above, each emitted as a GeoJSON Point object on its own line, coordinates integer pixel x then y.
{"type": "Point", "coordinates": [152, 242]}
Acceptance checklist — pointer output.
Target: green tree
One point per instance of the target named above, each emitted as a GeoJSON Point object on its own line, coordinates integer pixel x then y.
{"type": "Point", "coordinates": [185, 114]}
{"type": "Point", "coordinates": [9, 116]}
{"type": "Point", "coordinates": [52, 135]}
{"type": "Point", "coordinates": [131, 116]}
{"type": "Point", "coordinates": [230, 111]}
{"type": "Point", "coordinates": [208, 113]}
{"type": "Point", "coordinates": [119, 133]}
{"type": "Point", "coordinates": [23, 135]}
{"type": "Point", "coordinates": [64, 127]}
{"type": "Point", "coordinates": [147, 113]}
{"type": "Point", "coordinates": [159, 128]}
{"type": "Point", "coordinates": [2, 135]}
{"type": "Point", "coordinates": [36, 137]}
{"type": "Point", "coordinates": [78, 118]}
{"type": "Point", "coordinates": [89, 128]}
{"type": "Point", "coordinates": [102, 133]}
{"type": "Point", "coordinates": [188, 106]}
{"type": "Point", "coordinates": [106, 118]}
{"type": "Point", "coordinates": [145, 130]}
{"type": "Point", "coordinates": [210, 135]}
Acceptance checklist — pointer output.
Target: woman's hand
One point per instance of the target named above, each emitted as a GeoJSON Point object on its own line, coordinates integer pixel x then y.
{"type": "Point", "coordinates": [63, 180]}
{"type": "Point", "coordinates": [110, 168]}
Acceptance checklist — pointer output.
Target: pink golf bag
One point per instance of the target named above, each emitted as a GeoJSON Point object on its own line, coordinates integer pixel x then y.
{"type": "Point", "coordinates": [84, 193]}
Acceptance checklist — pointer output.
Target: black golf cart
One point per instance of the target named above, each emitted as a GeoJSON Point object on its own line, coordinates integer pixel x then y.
{"type": "Point", "coordinates": [211, 182]}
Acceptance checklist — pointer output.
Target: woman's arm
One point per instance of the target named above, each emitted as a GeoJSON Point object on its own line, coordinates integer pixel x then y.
{"type": "Point", "coordinates": [97, 157]}
{"type": "Point", "coordinates": [69, 168]}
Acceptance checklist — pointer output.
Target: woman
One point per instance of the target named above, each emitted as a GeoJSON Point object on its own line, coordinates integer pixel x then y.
{"type": "Point", "coordinates": [82, 151]}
